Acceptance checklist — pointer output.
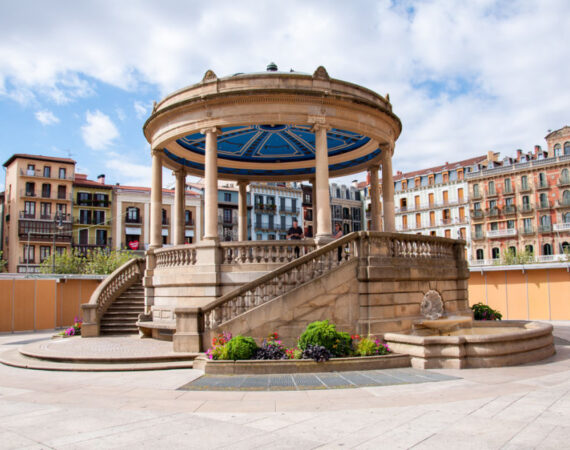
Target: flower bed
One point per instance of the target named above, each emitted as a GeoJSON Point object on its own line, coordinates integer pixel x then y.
{"type": "Point", "coordinates": [319, 348]}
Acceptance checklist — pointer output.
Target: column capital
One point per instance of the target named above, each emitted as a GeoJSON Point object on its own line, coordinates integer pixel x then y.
{"type": "Point", "coordinates": [318, 126]}
{"type": "Point", "coordinates": [214, 130]}
{"type": "Point", "coordinates": [179, 173]}
{"type": "Point", "coordinates": [375, 167]}
{"type": "Point", "coordinates": [387, 149]}
{"type": "Point", "coordinates": [156, 152]}
{"type": "Point", "coordinates": [243, 183]}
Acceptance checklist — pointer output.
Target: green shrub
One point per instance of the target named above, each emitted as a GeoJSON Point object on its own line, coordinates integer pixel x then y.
{"type": "Point", "coordinates": [325, 334]}
{"type": "Point", "coordinates": [239, 347]}
{"type": "Point", "coordinates": [366, 347]}
{"type": "Point", "coordinates": [484, 312]}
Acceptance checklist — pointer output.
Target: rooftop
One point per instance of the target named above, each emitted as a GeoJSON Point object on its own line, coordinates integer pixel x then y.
{"type": "Point", "coordinates": [38, 158]}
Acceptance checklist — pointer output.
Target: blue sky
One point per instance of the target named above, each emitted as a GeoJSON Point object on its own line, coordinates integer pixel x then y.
{"type": "Point", "coordinates": [78, 78]}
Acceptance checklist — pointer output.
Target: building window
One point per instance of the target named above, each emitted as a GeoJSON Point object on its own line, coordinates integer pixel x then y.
{"type": "Point", "coordinates": [495, 253]}
{"type": "Point", "coordinates": [45, 211]}
{"type": "Point", "coordinates": [133, 215]}
{"type": "Point", "coordinates": [479, 231]}
{"type": "Point", "coordinates": [61, 209]}
{"type": "Point", "coordinates": [543, 201]}
{"type": "Point", "coordinates": [357, 195]}
{"type": "Point", "coordinates": [566, 148]}
{"type": "Point", "coordinates": [417, 182]}
{"type": "Point", "coordinates": [101, 237]}
{"type": "Point", "coordinates": [338, 193]}
{"type": "Point", "coordinates": [566, 218]}
{"type": "Point", "coordinates": [99, 217]}
{"type": "Point", "coordinates": [227, 197]}
{"type": "Point", "coordinates": [527, 225]}
{"type": "Point", "coordinates": [547, 249]}
{"type": "Point", "coordinates": [475, 190]}
{"type": "Point", "coordinates": [188, 217]}
{"type": "Point", "coordinates": [84, 217]}
{"type": "Point", "coordinates": [529, 249]}
{"type": "Point", "coordinates": [480, 256]}
{"type": "Point", "coordinates": [491, 188]}
{"type": "Point", "coordinates": [404, 185]}
{"type": "Point", "coordinates": [84, 236]}
{"type": "Point", "coordinates": [446, 177]}
{"type": "Point", "coordinates": [30, 210]}
{"type": "Point", "coordinates": [494, 226]}
{"type": "Point", "coordinates": [29, 254]}
{"type": "Point", "coordinates": [45, 252]}
{"type": "Point", "coordinates": [227, 215]}
{"type": "Point", "coordinates": [61, 192]}
{"type": "Point", "coordinates": [60, 250]}
{"type": "Point", "coordinates": [62, 173]}
{"type": "Point", "coordinates": [557, 150]}
{"type": "Point", "coordinates": [524, 182]}
{"type": "Point", "coordinates": [510, 224]}
{"type": "Point", "coordinates": [513, 251]}
{"type": "Point", "coordinates": [47, 174]}
{"type": "Point", "coordinates": [542, 180]}
{"type": "Point", "coordinates": [31, 171]}
{"type": "Point", "coordinates": [508, 186]}
{"type": "Point", "coordinates": [46, 190]}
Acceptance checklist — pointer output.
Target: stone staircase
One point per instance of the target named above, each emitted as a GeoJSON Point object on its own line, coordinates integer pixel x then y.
{"type": "Point", "coordinates": [122, 315]}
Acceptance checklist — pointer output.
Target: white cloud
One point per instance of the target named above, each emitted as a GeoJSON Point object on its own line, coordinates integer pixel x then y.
{"type": "Point", "coordinates": [141, 110]}
{"type": "Point", "coordinates": [99, 132]}
{"type": "Point", "coordinates": [46, 117]}
{"type": "Point", "coordinates": [132, 173]}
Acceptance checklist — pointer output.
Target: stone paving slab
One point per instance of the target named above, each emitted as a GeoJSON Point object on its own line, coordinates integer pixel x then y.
{"type": "Point", "coordinates": [299, 382]}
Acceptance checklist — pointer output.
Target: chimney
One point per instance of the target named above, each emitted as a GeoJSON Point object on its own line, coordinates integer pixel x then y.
{"type": "Point", "coordinates": [355, 184]}
{"type": "Point", "coordinates": [101, 178]}
{"type": "Point", "coordinates": [537, 150]}
{"type": "Point", "coordinates": [490, 155]}
{"type": "Point", "coordinates": [519, 154]}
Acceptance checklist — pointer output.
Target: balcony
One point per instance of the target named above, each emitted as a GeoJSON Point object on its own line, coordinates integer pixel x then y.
{"type": "Point", "coordinates": [543, 185]}
{"type": "Point", "coordinates": [476, 196]}
{"type": "Point", "coordinates": [40, 174]}
{"type": "Point", "coordinates": [524, 188]}
{"type": "Point", "coordinates": [94, 203]}
{"type": "Point", "coordinates": [501, 233]}
{"type": "Point", "coordinates": [227, 220]}
{"type": "Point", "coordinates": [564, 181]}
{"type": "Point", "coordinates": [491, 193]}
{"type": "Point", "coordinates": [189, 223]}
{"type": "Point", "coordinates": [561, 226]}
{"type": "Point", "coordinates": [508, 191]}
{"type": "Point", "coordinates": [165, 221]}
{"type": "Point", "coordinates": [262, 207]}
{"type": "Point", "coordinates": [288, 210]}
{"type": "Point", "coordinates": [527, 231]}
{"type": "Point", "coordinates": [46, 217]}
{"type": "Point", "coordinates": [509, 210]}
{"type": "Point", "coordinates": [135, 220]}
{"type": "Point", "coordinates": [526, 209]}
{"type": "Point", "coordinates": [37, 230]}
{"type": "Point", "coordinates": [478, 236]}
{"type": "Point", "coordinates": [28, 193]}
{"type": "Point", "coordinates": [446, 221]}
{"type": "Point", "coordinates": [493, 212]}
{"type": "Point", "coordinates": [543, 205]}
{"type": "Point", "coordinates": [547, 228]}
{"type": "Point", "coordinates": [563, 203]}
{"type": "Point", "coordinates": [477, 214]}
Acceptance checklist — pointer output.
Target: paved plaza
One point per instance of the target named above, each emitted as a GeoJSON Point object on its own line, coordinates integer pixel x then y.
{"type": "Point", "coordinates": [514, 407]}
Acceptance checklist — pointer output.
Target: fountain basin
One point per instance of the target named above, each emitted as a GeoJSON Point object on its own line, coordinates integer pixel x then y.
{"type": "Point", "coordinates": [484, 344]}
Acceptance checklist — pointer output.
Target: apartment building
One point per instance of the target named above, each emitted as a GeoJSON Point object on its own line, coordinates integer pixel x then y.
{"type": "Point", "coordinates": [38, 206]}
{"type": "Point", "coordinates": [346, 207]}
{"type": "Point", "coordinates": [131, 211]}
{"type": "Point", "coordinates": [275, 206]}
{"type": "Point", "coordinates": [434, 201]}
{"type": "Point", "coordinates": [92, 213]}
{"type": "Point", "coordinates": [522, 203]}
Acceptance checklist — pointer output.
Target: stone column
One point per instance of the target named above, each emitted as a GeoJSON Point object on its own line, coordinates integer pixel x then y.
{"type": "Point", "coordinates": [211, 185]}
{"type": "Point", "coordinates": [156, 201]}
{"type": "Point", "coordinates": [374, 198]}
{"type": "Point", "coordinates": [242, 211]}
{"type": "Point", "coordinates": [388, 191]}
{"type": "Point", "coordinates": [314, 198]}
{"type": "Point", "coordinates": [179, 203]}
{"type": "Point", "coordinates": [322, 182]}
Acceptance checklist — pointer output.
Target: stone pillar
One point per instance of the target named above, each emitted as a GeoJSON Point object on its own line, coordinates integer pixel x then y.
{"type": "Point", "coordinates": [242, 211]}
{"type": "Point", "coordinates": [388, 191]}
{"type": "Point", "coordinates": [156, 201]}
{"type": "Point", "coordinates": [314, 198]}
{"type": "Point", "coordinates": [322, 183]}
{"type": "Point", "coordinates": [179, 203]}
{"type": "Point", "coordinates": [374, 198]}
{"type": "Point", "coordinates": [211, 185]}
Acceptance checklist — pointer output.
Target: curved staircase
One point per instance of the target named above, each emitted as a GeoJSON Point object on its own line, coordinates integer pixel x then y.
{"type": "Point", "coordinates": [121, 316]}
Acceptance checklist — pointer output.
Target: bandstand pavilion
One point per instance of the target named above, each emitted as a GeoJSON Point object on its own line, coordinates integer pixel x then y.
{"type": "Point", "coordinates": [271, 126]}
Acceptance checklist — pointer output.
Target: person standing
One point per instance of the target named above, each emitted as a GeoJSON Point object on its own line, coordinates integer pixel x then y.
{"type": "Point", "coordinates": [295, 233]}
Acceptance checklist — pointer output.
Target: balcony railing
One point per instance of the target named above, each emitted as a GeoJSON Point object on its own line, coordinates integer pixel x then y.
{"type": "Point", "coordinates": [478, 236]}
{"type": "Point", "coordinates": [543, 205]}
{"type": "Point", "coordinates": [40, 174]}
{"type": "Point", "coordinates": [493, 212]}
{"type": "Point", "coordinates": [227, 220]}
{"type": "Point", "coordinates": [137, 220]}
{"type": "Point", "coordinates": [477, 213]}
{"type": "Point", "coordinates": [562, 226]}
{"type": "Point", "coordinates": [524, 188]}
{"type": "Point", "coordinates": [502, 233]}
{"type": "Point", "coordinates": [542, 185]}
{"type": "Point", "coordinates": [491, 193]}
{"type": "Point", "coordinates": [526, 209]}
{"type": "Point", "coordinates": [563, 203]}
{"type": "Point", "coordinates": [509, 210]}
{"type": "Point", "coordinates": [527, 231]}
{"type": "Point", "coordinates": [564, 181]}
{"type": "Point", "coordinates": [476, 196]}
{"type": "Point", "coordinates": [508, 190]}
{"type": "Point", "coordinates": [52, 217]}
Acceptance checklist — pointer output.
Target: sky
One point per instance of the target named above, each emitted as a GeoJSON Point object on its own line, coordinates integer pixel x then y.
{"type": "Point", "coordinates": [78, 78]}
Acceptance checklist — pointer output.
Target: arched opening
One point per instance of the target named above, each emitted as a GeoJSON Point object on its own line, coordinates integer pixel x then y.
{"type": "Point", "coordinates": [567, 148]}
{"type": "Point", "coordinates": [495, 253]}
{"type": "Point", "coordinates": [513, 251]}
{"type": "Point", "coordinates": [529, 249]}
{"type": "Point", "coordinates": [479, 254]}
{"type": "Point", "coordinates": [547, 249]}
{"type": "Point", "coordinates": [557, 150]}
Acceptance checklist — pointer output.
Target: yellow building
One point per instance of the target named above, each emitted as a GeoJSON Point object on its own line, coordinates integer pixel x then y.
{"type": "Point", "coordinates": [92, 213]}
{"type": "Point", "coordinates": [37, 219]}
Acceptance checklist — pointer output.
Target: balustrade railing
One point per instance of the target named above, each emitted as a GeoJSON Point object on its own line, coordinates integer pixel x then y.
{"type": "Point", "coordinates": [252, 252]}
{"type": "Point", "coordinates": [179, 255]}
{"type": "Point", "coordinates": [318, 262]}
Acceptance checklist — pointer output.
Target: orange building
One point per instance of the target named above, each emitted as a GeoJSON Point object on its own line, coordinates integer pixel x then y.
{"type": "Point", "coordinates": [38, 205]}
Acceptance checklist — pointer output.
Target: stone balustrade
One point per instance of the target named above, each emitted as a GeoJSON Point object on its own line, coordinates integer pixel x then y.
{"type": "Point", "coordinates": [180, 255]}
{"type": "Point", "coordinates": [252, 252]}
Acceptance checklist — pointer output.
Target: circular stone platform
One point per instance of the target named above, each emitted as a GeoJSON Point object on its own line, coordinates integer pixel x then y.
{"type": "Point", "coordinates": [113, 353]}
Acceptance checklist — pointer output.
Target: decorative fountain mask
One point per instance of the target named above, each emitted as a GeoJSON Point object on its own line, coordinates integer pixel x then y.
{"type": "Point", "coordinates": [432, 305]}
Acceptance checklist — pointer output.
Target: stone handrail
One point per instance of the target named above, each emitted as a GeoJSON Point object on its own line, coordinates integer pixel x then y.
{"type": "Point", "coordinates": [390, 246]}
{"type": "Point", "coordinates": [280, 281]}
{"type": "Point", "coordinates": [252, 252]}
{"type": "Point", "coordinates": [113, 286]}
{"type": "Point", "coordinates": [179, 255]}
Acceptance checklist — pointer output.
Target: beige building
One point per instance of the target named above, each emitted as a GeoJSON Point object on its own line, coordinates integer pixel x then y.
{"type": "Point", "coordinates": [131, 209]}
{"type": "Point", "coordinates": [38, 206]}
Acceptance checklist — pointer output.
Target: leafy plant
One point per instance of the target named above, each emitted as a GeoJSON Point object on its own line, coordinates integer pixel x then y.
{"type": "Point", "coordinates": [511, 257]}
{"type": "Point", "coordinates": [271, 348]}
{"type": "Point", "coordinates": [484, 312]}
{"type": "Point", "coordinates": [239, 347]}
{"type": "Point", "coordinates": [294, 353]}
{"type": "Point", "coordinates": [218, 344]}
{"type": "Point", "coordinates": [369, 347]}
{"type": "Point", "coordinates": [98, 261]}
{"type": "Point", "coordinates": [74, 330]}
{"type": "Point", "coordinates": [317, 352]}
{"type": "Point", "coordinates": [3, 262]}
{"type": "Point", "coordinates": [325, 334]}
